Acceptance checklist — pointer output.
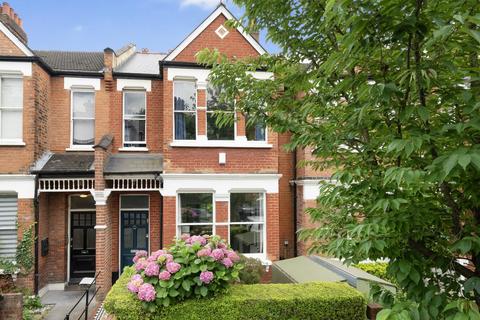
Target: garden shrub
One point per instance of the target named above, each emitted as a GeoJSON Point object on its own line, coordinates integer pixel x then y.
{"type": "Point", "coordinates": [332, 301]}
{"type": "Point", "coordinates": [378, 269]}
{"type": "Point", "coordinates": [252, 270]}
{"type": "Point", "coordinates": [196, 266]}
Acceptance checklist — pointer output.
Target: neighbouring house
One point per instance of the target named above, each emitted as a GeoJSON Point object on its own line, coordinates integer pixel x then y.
{"type": "Point", "coordinates": [117, 151]}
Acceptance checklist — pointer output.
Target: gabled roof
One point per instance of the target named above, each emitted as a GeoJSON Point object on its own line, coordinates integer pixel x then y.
{"type": "Point", "coordinates": [72, 60]}
{"type": "Point", "coordinates": [16, 41]}
{"type": "Point", "coordinates": [221, 9]}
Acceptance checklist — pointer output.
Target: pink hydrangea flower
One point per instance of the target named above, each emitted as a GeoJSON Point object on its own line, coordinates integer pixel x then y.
{"type": "Point", "coordinates": [205, 252]}
{"type": "Point", "coordinates": [227, 262]}
{"type": "Point", "coordinates": [135, 282]}
{"type": "Point", "coordinates": [146, 292]}
{"type": "Point", "coordinates": [141, 264]}
{"type": "Point", "coordinates": [140, 254]}
{"type": "Point", "coordinates": [152, 269]}
{"type": "Point", "coordinates": [206, 277]}
{"type": "Point", "coordinates": [165, 257]}
{"type": "Point", "coordinates": [198, 239]}
{"type": "Point", "coordinates": [232, 255]}
{"type": "Point", "coordinates": [164, 275]}
{"type": "Point", "coordinates": [221, 245]}
{"type": "Point", "coordinates": [217, 254]}
{"type": "Point", "coordinates": [173, 267]}
{"type": "Point", "coordinates": [155, 255]}
{"type": "Point", "coordinates": [184, 236]}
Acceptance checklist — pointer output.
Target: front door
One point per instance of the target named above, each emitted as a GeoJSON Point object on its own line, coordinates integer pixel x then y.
{"type": "Point", "coordinates": [134, 235]}
{"type": "Point", "coordinates": [82, 245]}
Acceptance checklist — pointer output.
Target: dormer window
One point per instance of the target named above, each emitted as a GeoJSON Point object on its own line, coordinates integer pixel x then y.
{"type": "Point", "coordinates": [11, 109]}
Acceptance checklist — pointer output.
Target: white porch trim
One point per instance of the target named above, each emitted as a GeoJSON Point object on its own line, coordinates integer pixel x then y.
{"type": "Point", "coordinates": [22, 184]}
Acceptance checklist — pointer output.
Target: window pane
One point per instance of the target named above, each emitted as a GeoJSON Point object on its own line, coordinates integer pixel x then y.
{"type": "Point", "coordinates": [83, 104]}
{"type": "Point", "coordinates": [12, 92]}
{"type": "Point", "coordinates": [196, 207]}
{"type": "Point", "coordinates": [141, 238]}
{"type": "Point", "coordinates": [246, 207]}
{"type": "Point", "coordinates": [215, 132]}
{"type": "Point", "coordinates": [127, 238]}
{"type": "Point", "coordinates": [134, 130]}
{"type": "Point", "coordinates": [83, 132]}
{"type": "Point", "coordinates": [91, 238]}
{"type": "Point", "coordinates": [196, 230]}
{"type": "Point", "coordinates": [135, 102]}
{"type": "Point", "coordinates": [247, 238]}
{"type": "Point", "coordinates": [134, 202]}
{"type": "Point", "coordinates": [255, 131]}
{"type": "Point", "coordinates": [185, 95]}
{"type": "Point", "coordinates": [11, 126]}
{"type": "Point", "coordinates": [78, 202]}
{"type": "Point", "coordinates": [213, 101]}
{"type": "Point", "coordinates": [77, 239]}
{"type": "Point", "coordinates": [185, 126]}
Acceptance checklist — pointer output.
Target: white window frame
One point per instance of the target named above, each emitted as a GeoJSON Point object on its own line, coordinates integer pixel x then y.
{"type": "Point", "coordinates": [143, 148]}
{"type": "Point", "coordinates": [78, 146]}
{"type": "Point", "coordinates": [120, 209]}
{"type": "Point", "coordinates": [18, 141]}
{"type": "Point", "coordinates": [196, 107]}
{"type": "Point", "coordinates": [210, 112]}
{"type": "Point", "coordinates": [262, 255]}
{"type": "Point", "coordinates": [179, 212]}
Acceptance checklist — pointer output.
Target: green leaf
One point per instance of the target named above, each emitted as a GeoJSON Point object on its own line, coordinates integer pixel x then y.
{"type": "Point", "coordinates": [423, 113]}
{"type": "Point", "coordinates": [464, 160]}
{"type": "Point", "coordinates": [450, 163]}
{"type": "Point", "coordinates": [203, 291]}
{"type": "Point", "coordinates": [186, 285]}
{"type": "Point", "coordinates": [414, 276]}
{"type": "Point", "coordinates": [384, 314]}
{"type": "Point", "coordinates": [471, 284]}
{"type": "Point", "coordinates": [475, 34]}
{"type": "Point", "coordinates": [405, 266]}
{"type": "Point", "coordinates": [173, 292]}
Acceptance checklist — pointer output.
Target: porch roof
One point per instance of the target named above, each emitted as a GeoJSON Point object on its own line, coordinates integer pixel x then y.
{"type": "Point", "coordinates": [136, 163]}
{"type": "Point", "coordinates": [72, 163]}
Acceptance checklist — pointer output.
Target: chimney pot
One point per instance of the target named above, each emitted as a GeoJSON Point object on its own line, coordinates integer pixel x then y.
{"type": "Point", "coordinates": [6, 8]}
{"type": "Point", "coordinates": [20, 22]}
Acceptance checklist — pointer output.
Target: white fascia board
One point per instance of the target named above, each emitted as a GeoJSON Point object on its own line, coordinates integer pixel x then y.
{"type": "Point", "coordinates": [201, 75]}
{"type": "Point", "coordinates": [16, 67]}
{"type": "Point", "coordinates": [312, 187]}
{"type": "Point", "coordinates": [220, 10]}
{"type": "Point", "coordinates": [134, 84]}
{"type": "Point", "coordinates": [15, 40]}
{"type": "Point", "coordinates": [71, 82]}
{"type": "Point", "coordinates": [22, 184]}
{"type": "Point", "coordinates": [221, 184]}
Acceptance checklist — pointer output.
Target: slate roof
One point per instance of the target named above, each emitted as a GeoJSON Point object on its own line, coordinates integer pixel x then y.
{"type": "Point", "coordinates": [68, 163]}
{"type": "Point", "coordinates": [143, 63]}
{"type": "Point", "coordinates": [72, 60]}
{"type": "Point", "coordinates": [134, 163]}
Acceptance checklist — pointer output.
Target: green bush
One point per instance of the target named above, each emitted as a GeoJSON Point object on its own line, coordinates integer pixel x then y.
{"type": "Point", "coordinates": [332, 301]}
{"type": "Point", "coordinates": [378, 269]}
{"type": "Point", "coordinates": [252, 270]}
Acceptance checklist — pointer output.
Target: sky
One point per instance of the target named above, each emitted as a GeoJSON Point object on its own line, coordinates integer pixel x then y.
{"type": "Point", "coordinates": [88, 25]}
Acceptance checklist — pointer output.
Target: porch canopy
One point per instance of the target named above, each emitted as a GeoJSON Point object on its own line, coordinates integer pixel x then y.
{"type": "Point", "coordinates": [74, 172]}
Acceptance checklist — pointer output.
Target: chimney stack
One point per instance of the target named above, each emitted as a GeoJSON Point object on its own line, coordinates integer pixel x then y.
{"type": "Point", "coordinates": [12, 21]}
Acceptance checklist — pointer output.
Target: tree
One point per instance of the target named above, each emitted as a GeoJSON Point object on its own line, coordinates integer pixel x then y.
{"type": "Point", "coordinates": [391, 99]}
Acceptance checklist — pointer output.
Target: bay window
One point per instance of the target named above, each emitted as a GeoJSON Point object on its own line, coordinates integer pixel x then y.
{"type": "Point", "coordinates": [83, 118]}
{"type": "Point", "coordinates": [247, 222]}
{"type": "Point", "coordinates": [11, 109]}
{"type": "Point", "coordinates": [134, 118]}
{"type": "Point", "coordinates": [185, 109]}
{"type": "Point", "coordinates": [195, 213]}
{"type": "Point", "coordinates": [224, 130]}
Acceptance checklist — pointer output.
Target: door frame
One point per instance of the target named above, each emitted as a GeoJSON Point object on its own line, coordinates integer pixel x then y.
{"type": "Point", "coordinates": [69, 229]}
{"type": "Point", "coordinates": [120, 229]}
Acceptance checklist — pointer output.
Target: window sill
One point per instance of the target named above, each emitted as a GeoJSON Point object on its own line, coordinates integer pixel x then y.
{"type": "Point", "coordinates": [12, 143]}
{"type": "Point", "coordinates": [80, 148]}
{"type": "Point", "coordinates": [133, 149]}
{"type": "Point", "coordinates": [220, 144]}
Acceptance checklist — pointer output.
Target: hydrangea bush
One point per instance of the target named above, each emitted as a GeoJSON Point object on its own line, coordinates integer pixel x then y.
{"type": "Point", "coordinates": [194, 266]}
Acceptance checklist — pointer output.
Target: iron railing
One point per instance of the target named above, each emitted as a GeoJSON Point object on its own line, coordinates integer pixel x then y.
{"type": "Point", "coordinates": [88, 300]}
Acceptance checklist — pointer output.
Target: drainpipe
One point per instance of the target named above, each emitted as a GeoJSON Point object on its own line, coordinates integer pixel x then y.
{"type": "Point", "coordinates": [295, 237]}
{"type": "Point", "coordinates": [37, 215]}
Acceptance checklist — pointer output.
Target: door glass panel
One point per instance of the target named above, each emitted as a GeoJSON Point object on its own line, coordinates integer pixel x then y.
{"type": "Point", "coordinates": [90, 238]}
{"type": "Point", "coordinates": [82, 202]}
{"type": "Point", "coordinates": [77, 241]}
{"type": "Point", "coordinates": [134, 202]}
{"type": "Point", "coordinates": [141, 238]}
{"type": "Point", "coordinates": [128, 238]}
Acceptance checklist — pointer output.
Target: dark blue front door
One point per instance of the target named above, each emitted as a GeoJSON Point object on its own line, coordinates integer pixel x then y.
{"type": "Point", "coordinates": [134, 235]}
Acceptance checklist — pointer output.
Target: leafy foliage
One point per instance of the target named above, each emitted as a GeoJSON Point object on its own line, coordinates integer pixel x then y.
{"type": "Point", "coordinates": [387, 93]}
{"type": "Point", "coordinates": [24, 257]}
{"type": "Point", "coordinates": [252, 271]}
{"type": "Point", "coordinates": [378, 269]}
{"type": "Point", "coordinates": [333, 301]}
{"type": "Point", "coordinates": [193, 267]}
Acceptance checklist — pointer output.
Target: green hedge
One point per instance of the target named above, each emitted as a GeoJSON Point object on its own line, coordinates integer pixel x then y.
{"type": "Point", "coordinates": [331, 301]}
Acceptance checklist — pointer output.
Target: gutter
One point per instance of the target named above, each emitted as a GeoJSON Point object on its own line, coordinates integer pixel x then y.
{"type": "Point", "coordinates": [295, 207]}
{"type": "Point", "coordinates": [36, 209]}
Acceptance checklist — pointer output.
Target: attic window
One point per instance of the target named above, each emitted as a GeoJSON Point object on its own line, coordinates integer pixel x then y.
{"type": "Point", "coordinates": [221, 32]}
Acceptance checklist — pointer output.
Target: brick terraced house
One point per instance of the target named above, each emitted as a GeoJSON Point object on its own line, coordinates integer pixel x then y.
{"type": "Point", "coordinates": [117, 151]}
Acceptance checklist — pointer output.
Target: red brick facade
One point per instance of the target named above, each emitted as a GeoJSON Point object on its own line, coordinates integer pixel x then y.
{"type": "Point", "coordinates": [47, 118]}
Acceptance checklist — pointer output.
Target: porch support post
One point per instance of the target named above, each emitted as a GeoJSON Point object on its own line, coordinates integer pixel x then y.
{"type": "Point", "coordinates": [103, 227]}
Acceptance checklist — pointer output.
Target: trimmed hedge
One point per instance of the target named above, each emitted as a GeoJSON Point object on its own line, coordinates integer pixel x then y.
{"type": "Point", "coordinates": [332, 301]}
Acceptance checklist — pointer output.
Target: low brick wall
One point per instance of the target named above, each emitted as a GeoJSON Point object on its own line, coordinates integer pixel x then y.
{"type": "Point", "coordinates": [11, 306]}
